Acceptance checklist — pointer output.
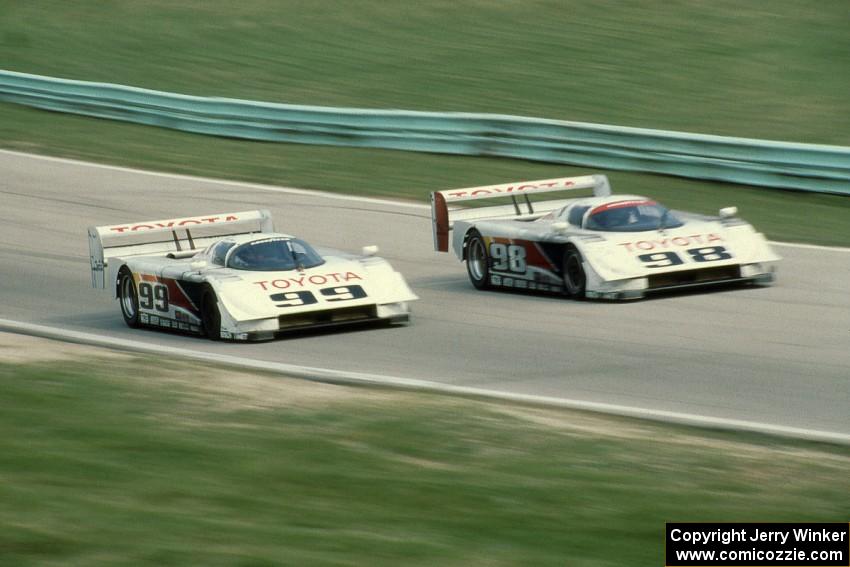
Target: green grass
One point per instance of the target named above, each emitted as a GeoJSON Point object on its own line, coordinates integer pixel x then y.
{"type": "Point", "coordinates": [771, 71]}
{"type": "Point", "coordinates": [151, 462]}
{"type": "Point", "coordinates": [730, 67]}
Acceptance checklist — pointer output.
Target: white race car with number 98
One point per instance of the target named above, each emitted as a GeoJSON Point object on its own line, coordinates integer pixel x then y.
{"type": "Point", "coordinates": [605, 246]}
{"type": "Point", "coordinates": [230, 276]}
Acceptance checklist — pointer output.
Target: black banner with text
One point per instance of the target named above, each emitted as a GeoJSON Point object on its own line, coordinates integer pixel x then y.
{"type": "Point", "coordinates": [757, 545]}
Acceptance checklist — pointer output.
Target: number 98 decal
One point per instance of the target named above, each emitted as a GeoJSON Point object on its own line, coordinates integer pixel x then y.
{"type": "Point", "coordinates": [509, 257]}
{"type": "Point", "coordinates": [704, 254]}
{"type": "Point", "coordinates": [299, 298]}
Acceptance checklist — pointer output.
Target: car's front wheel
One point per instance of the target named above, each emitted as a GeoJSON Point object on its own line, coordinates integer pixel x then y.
{"type": "Point", "coordinates": [210, 315]}
{"type": "Point", "coordinates": [128, 297]}
{"type": "Point", "coordinates": [575, 281]}
{"type": "Point", "coordinates": [477, 261]}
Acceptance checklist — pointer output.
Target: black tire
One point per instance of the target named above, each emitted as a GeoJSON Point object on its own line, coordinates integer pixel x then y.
{"type": "Point", "coordinates": [575, 280]}
{"type": "Point", "coordinates": [477, 261]}
{"type": "Point", "coordinates": [128, 297]}
{"type": "Point", "coordinates": [210, 315]}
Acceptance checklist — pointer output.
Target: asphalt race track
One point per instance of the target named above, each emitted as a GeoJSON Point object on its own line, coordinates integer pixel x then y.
{"type": "Point", "coordinates": [778, 355]}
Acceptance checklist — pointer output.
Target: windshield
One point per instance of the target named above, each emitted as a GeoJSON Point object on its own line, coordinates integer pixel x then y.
{"type": "Point", "coordinates": [219, 252]}
{"type": "Point", "coordinates": [631, 216]}
{"type": "Point", "coordinates": [274, 254]}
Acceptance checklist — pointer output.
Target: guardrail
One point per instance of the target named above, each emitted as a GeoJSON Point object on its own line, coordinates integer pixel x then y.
{"type": "Point", "coordinates": [807, 167]}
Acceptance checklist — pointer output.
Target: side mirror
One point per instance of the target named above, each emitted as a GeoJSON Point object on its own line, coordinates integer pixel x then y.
{"type": "Point", "coordinates": [197, 265]}
{"type": "Point", "coordinates": [369, 250]}
{"type": "Point", "coordinates": [728, 212]}
{"type": "Point", "coordinates": [560, 227]}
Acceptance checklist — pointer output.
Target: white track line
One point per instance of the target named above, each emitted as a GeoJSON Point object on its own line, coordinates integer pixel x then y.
{"type": "Point", "coordinates": [811, 246]}
{"type": "Point", "coordinates": [376, 380]}
{"type": "Point", "coordinates": [296, 191]}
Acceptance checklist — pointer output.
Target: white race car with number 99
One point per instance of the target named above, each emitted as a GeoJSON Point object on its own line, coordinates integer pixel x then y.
{"type": "Point", "coordinates": [605, 246]}
{"type": "Point", "coordinates": [230, 276]}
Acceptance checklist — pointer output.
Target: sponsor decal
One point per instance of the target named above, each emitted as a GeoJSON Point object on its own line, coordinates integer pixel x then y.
{"type": "Point", "coordinates": [303, 281]}
{"type": "Point", "coordinates": [157, 321]}
{"type": "Point", "coordinates": [668, 243]}
{"type": "Point", "coordinates": [270, 239]}
{"type": "Point", "coordinates": [518, 283]}
{"type": "Point", "coordinates": [173, 223]}
{"type": "Point", "coordinates": [542, 286]}
{"type": "Point", "coordinates": [509, 189]}
{"type": "Point", "coordinates": [622, 204]}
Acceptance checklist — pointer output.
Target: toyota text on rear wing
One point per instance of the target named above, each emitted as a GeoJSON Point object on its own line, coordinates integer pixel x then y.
{"type": "Point", "coordinates": [519, 192]}
{"type": "Point", "coordinates": [178, 237]}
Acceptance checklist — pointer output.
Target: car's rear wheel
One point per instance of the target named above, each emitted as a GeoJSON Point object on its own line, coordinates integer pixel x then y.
{"type": "Point", "coordinates": [128, 297]}
{"type": "Point", "coordinates": [575, 281]}
{"type": "Point", "coordinates": [477, 261]}
{"type": "Point", "coordinates": [210, 315]}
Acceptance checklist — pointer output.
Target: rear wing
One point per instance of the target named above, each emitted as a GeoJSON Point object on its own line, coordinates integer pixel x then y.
{"type": "Point", "coordinates": [175, 238]}
{"type": "Point", "coordinates": [443, 218]}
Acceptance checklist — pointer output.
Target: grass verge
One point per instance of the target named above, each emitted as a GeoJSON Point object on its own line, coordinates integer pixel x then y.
{"type": "Point", "coordinates": [728, 67]}
{"type": "Point", "coordinates": [142, 461]}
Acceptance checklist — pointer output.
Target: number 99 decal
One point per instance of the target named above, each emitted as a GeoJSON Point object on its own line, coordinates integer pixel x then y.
{"type": "Point", "coordinates": [294, 298]}
{"type": "Point", "coordinates": [343, 293]}
{"type": "Point", "coordinates": [153, 296]}
{"type": "Point", "coordinates": [299, 298]}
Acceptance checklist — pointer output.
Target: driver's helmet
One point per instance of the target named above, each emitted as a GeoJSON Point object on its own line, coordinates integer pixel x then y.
{"type": "Point", "coordinates": [253, 252]}
{"type": "Point", "coordinates": [620, 216]}
{"type": "Point", "coordinates": [261, 252]}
